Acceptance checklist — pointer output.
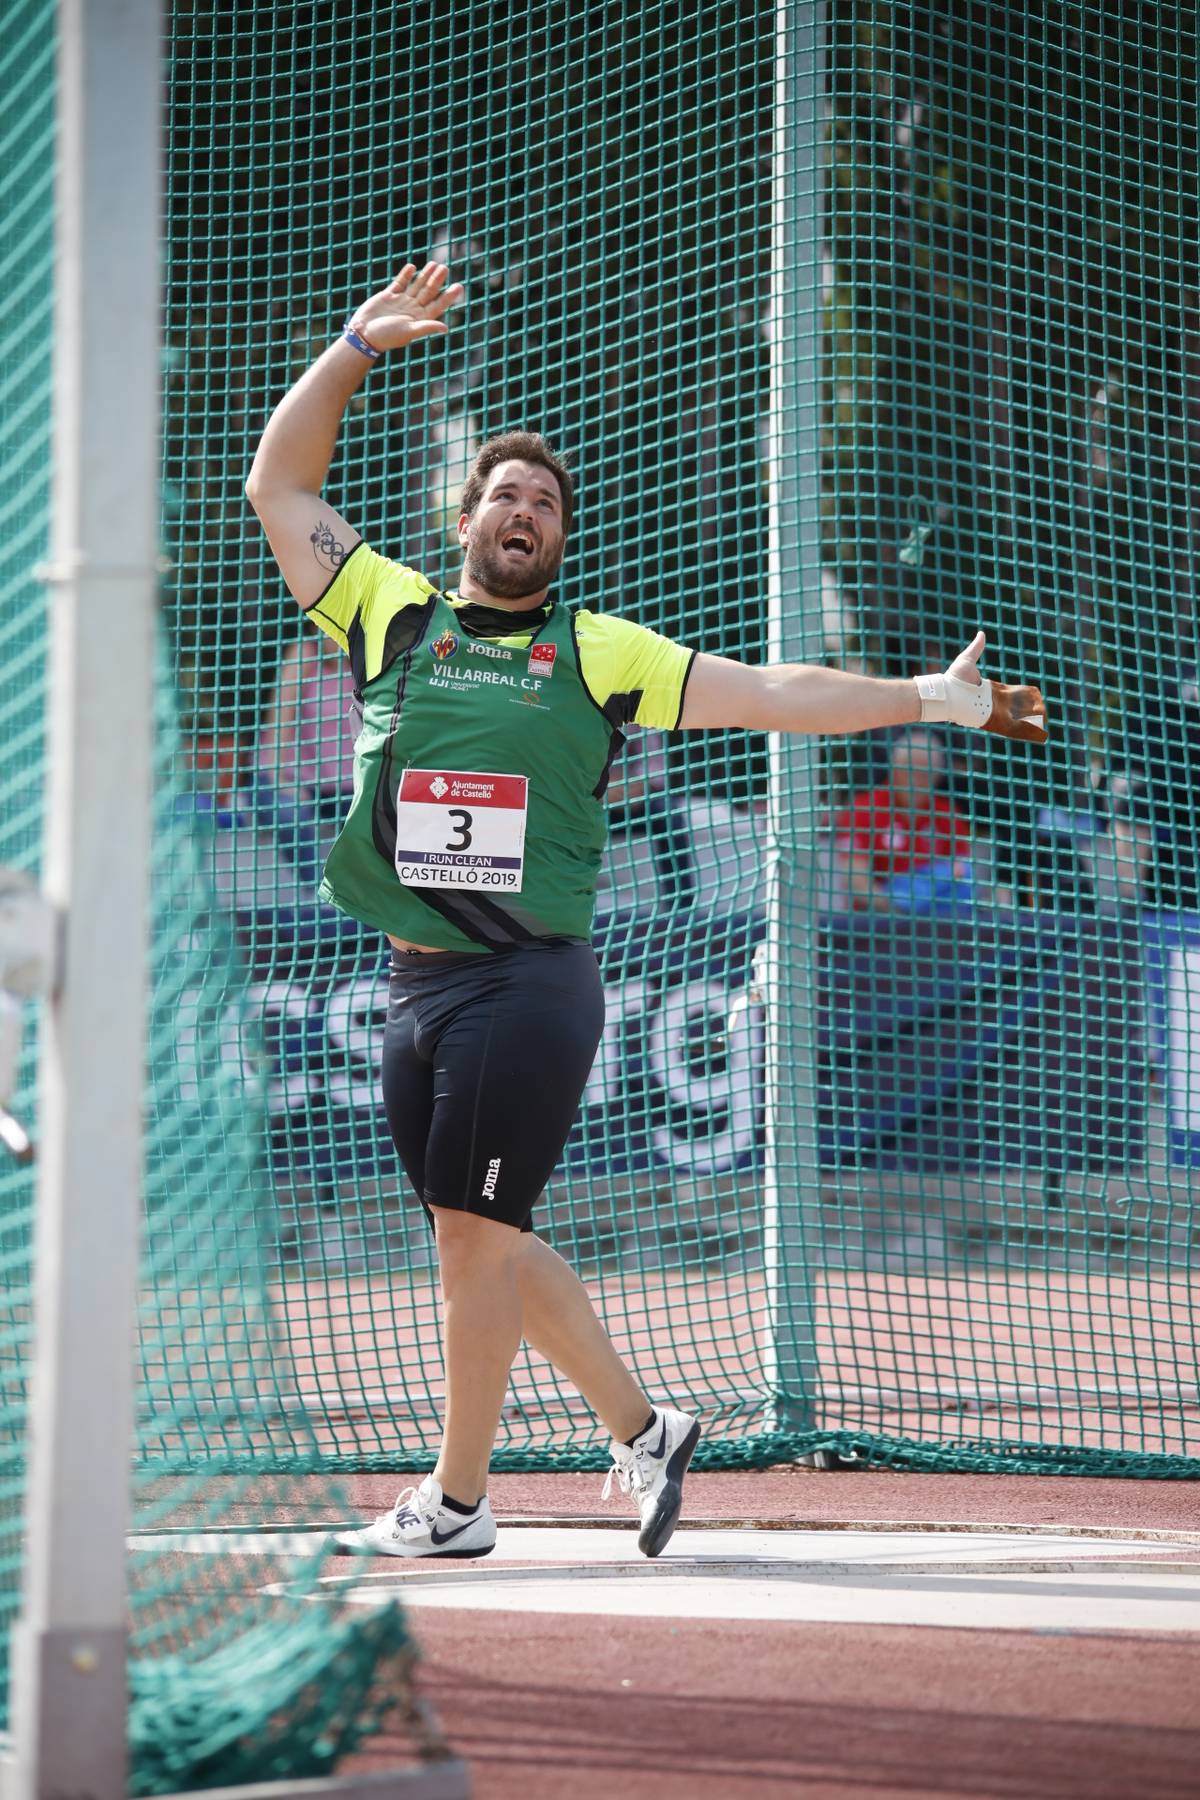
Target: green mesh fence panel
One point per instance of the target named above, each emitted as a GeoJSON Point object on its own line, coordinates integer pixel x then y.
{"type": "Point", "coordinates": [957, 1230]}
{"type": "Point", "coordinates": [243, 1668]}
{"type": "Point", "coordinates": [1008, 1125]}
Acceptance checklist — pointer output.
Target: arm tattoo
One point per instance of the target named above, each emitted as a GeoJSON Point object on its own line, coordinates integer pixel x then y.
{"type": "Point", "coordinates": [328, 552]}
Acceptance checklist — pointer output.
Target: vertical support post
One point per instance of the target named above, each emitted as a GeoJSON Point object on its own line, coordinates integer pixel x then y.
{"type": "Point", "coordinates": [69, 1679]}
{"type": "Point", "coordinates": [792, 1215]}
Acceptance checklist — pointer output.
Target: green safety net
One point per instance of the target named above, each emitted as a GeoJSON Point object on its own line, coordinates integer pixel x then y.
{"type": "Point", "coordinates": [889, 1149]}
{"type": "Point", "coordinates": [245, 1664]}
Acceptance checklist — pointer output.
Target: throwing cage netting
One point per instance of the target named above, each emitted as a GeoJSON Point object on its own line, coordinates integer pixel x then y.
{"type": "Point", "coordinates": [916, 1183]}
{"type": "Point", "coordinates": [242, 1667]}
{"type": "Point", "coordinates": [890, 1148]}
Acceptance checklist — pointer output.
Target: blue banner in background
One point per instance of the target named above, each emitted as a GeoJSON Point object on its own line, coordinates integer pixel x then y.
{"type": "Point", "coordinates": [951, 1038]}
{"type": "Point", "coordinates": [678, 1079]}
{"type": "Point", "coordinates": [998, 1038]}
{"type": "Point", "coordinates": [1171, 942]}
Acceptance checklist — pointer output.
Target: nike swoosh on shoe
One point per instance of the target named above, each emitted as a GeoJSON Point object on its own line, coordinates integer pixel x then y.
{"type": "Point", "coordinates": [662, 1441]}
{"type": "Point", "coordinates": [447, 1537]}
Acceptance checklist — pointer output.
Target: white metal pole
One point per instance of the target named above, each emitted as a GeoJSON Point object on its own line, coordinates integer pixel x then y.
{"type": "Point", "coordinates": [792, 1197]}
{"type": "Point", "coordinates": [69, 1679]}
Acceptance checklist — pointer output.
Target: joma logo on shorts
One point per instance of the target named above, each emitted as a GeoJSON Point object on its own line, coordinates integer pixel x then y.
{"type": "Point", "coordinates": [493, 1176]}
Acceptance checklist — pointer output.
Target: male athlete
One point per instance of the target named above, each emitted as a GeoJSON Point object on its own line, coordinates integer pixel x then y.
{"type": "Point", "coordinates": [490, 719]}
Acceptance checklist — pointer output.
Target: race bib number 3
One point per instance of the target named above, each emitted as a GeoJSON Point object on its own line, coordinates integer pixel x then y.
{"type": "Point", "coordinates": [459, 829]}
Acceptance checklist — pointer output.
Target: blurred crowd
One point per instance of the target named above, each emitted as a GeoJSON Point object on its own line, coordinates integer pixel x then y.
{"type": "Point", "coordinates": [912, 838]}
{"type": "Point", "coordinates": [906, 842]}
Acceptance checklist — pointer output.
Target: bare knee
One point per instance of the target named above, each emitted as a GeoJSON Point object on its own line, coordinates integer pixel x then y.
{"type": "Point", "coordinates": [469, 1246]}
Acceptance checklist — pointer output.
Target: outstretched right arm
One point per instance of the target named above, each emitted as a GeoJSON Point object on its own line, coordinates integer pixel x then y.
{"type": "Point", "coordinates": [308, 539]}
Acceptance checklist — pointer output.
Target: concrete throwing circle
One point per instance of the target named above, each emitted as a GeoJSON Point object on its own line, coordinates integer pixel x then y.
{"type": "Point", "coordinates": [1000, 1580]}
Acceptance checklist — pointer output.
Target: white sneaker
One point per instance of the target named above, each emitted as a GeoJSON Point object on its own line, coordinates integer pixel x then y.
{"type": "Point", "coordinates": [652, 1470]}
{"type": "Point", "coordinates": [420, 1525]}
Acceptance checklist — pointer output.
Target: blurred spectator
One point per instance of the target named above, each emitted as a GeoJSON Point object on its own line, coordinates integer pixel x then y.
{"type": "Point", "coordinates": [642, 810]}
{"type": "Point", "coordinates": [1097, 859]}
{"type": "Point", "coordinates": [1162, 753]}
{"type": "Point", "coordinates": [904, 829]}
{"type": "Point", "coordinates": [214, 762]}
{"type": "Point", "coordinates": [1120, 860]}
{"type": "Point", "coordinates": [305, 775]}
{"type": "Point", "coordinates": [306, 747]}
{"type": "Point", "coordinates": [638, 772]}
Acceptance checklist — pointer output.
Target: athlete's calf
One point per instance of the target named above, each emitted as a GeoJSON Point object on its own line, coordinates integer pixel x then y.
{"type": "Point", "coordinates": [482, 1316]}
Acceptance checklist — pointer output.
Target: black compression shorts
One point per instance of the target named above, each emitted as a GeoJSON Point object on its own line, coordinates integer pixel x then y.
{"type": "Point", "coordinates": [485, 1059]}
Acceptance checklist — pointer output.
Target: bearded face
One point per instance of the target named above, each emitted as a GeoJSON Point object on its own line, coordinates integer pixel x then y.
{"type": "Point", "coordinates": [514, 540]}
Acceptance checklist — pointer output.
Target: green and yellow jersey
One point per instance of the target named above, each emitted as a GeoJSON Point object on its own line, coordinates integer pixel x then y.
{"type": "Point", "coordinates": [477, 821]}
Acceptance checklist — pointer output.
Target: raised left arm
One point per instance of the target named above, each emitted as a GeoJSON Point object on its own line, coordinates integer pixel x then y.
{"type": "Point", "coordinates": [807, 697]}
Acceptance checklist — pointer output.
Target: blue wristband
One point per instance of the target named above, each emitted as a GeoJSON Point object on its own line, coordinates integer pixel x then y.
{"type": "Point", "coordinates": [358, 341]}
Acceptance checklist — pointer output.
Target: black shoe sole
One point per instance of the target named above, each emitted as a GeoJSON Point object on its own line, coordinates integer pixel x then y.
{"type": "Point", "coordinates": [429, 1556]}
{"type": "Point", "coordinates": [654, 1537]}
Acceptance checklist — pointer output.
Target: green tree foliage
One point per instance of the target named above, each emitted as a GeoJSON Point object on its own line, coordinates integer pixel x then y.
{"type": "Point", "coordinates": [604, 190]}
{"type": "Point", "coordinates": [1011, 360]}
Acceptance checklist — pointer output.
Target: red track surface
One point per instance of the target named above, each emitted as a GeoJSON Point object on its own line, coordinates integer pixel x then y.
{"type": "Point", "coordinates": [1050, 1357]}
{"type": "Point", "coordinates": [575, 1708]}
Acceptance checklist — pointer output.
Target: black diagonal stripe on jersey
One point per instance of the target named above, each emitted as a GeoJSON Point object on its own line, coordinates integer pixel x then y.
{"type": "Point", "coordinates": [476, 917]}
{"type": "Point", "coordinates": [356, 646]}
{"type": "Point", "coordinates": [611, 716]}
{"type": "Point", "coordinates": [383, 801]}
{"type": "Point", "coordinates": [404, 630]}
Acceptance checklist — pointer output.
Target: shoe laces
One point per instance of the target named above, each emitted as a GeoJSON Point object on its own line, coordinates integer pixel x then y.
{"type": "Point", "coordinates": [404, 1512]}
{"type": "Point", "coordinates": [630, 1478]}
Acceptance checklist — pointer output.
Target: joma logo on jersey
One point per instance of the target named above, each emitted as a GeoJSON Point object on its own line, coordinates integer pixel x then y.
{"type": "Point", "coordinates": [444, 646]}
{"type": "Point", "coordinates": [492, 1177]}
{"type": "Point", "coordinates": [541, 659]}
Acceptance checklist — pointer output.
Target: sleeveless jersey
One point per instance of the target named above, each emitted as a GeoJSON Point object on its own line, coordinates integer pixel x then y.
{"type": "Point", "coordinates": [477, 821]}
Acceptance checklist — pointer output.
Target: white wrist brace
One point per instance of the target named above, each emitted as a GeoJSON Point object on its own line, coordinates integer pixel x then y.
{"type": "Point", "coordinates": [945, 697]}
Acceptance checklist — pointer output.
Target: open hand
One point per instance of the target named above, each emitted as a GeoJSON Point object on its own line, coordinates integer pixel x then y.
{"type": "Point", "coordinates": [411, 307]}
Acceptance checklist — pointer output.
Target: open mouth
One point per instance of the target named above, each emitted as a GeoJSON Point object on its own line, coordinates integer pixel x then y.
{"type": "Point", "coordinates": [519, 542]}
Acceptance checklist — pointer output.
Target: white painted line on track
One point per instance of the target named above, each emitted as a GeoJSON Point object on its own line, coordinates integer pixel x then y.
{"type": "Point", "coordinates": [1100, 1601]}
{"type": "Point", "coordinates": [224, 1543]}
{"type": "Point", "coordinates": [1005, 1580]}
{"type": "Point", "coordinates": [845, 1549]}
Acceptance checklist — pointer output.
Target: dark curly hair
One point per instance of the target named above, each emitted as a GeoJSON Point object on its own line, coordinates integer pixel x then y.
{"type": "Point", "coordinates": [518, 446]}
